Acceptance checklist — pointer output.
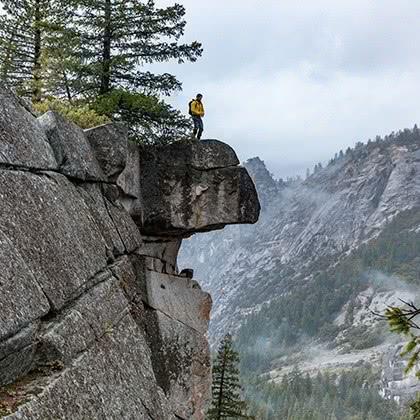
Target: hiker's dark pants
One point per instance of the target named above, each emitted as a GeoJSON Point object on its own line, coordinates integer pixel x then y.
{"type": "Point", "coordinates": [198, 126]}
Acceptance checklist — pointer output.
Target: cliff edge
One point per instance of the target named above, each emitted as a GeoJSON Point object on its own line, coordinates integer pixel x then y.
{"type": "Point", "coordinates": [96, 321]}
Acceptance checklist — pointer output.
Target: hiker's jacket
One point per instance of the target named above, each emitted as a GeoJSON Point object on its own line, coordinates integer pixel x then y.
{"type": "Point", "coordinates": [197, 108]}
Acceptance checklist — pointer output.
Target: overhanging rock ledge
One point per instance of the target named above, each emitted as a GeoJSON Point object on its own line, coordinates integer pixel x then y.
{"type": "Point", "coordinates": [95, 320]}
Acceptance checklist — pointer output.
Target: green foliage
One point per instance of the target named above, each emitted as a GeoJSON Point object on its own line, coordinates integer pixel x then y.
{"type": "Point", "coordinates": [402, 320]}
{"type": "Point", "coordinates": [360, 337]}
{"type": "Point", "coordinates": [117, 37]}
{"type": "Point", "coordinates": [89, 53]}
{"type": "Point", "coordinates": [28, 34]}
{"type": "Point", "coordinates": [415, 409]}
{"type": "Point", "coordinates": [150, 120]}
{"type": "Point", "coordinates": [348, 395]}
{"type": "Point", "coordinates": [226, 388]}
{"type": "Point", "coordinates": [81, 114]}
{"type": "Point", "coordinates": [112, 40]}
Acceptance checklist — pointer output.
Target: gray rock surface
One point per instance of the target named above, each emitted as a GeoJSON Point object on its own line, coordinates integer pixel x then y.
{"type": "Point", "coordinates": [72, 151]}
{"type": "Point", "coordinates": [110, 144]}
{"type": "Point", "coordinates": [95, 321]}
{"type": "Point", "coordinates": [179, 298]}
{"type": "Point", "coordinates": [98, 207]}
{"type": "Point", "coordinates": [200, 155]}
{"type": "Point", "coordinates": [181, 358]}
{"type": "Point", "coordinates": [113, 379]}
{"type": "Point", "coordinates": [22, 300]}
{"type": "Point", "coordinates": [22, 140]}
{"type": "Point", "coordinates": [181, 199]}
{"type": "Point", "coordinates": [50, 226]}
{"type": "Point", "coordinates": [129, 179]}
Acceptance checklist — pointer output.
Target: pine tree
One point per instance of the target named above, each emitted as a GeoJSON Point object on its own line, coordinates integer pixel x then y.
{"type": "Point", "coordinates": [415, 408]}
{"type": "Point", "coordinates": [226, 388]}
{"type": "Point", "coordinates": [87, 55]}
{"type": "Point", "coordinates": [26, 34]}
{"type": "Point", "coordinates": [403, 320]}
{"type": "Point", "coordinates": [112, 40]}
{"type": "Point", "coordinates": [118, 37]}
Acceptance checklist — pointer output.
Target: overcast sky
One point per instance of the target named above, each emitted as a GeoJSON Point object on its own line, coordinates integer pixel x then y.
{"type": "Point", "coordinates": [295, 81]}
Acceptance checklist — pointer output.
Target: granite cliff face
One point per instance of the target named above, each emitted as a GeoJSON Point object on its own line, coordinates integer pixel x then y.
{"type": "Point", "coordinates": [96, 321]}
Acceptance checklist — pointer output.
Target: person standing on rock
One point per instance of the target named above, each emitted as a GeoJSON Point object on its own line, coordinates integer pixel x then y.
{"type": "Point", "coordinates": [197, 112]}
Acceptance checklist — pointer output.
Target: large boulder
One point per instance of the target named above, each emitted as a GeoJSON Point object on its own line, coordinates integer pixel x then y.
{"type": "Point", "coordinates": [201, 155]}
{"type": "Point", "coordinates": [112, 379]}
{"type": "Point", "coordinates": [189, 188]}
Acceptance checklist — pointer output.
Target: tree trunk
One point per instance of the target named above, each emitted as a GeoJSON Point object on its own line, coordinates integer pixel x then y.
{"type": "Point", "coordinates": [106, 51]}
{"type": "Point", "coordinates": [67, 87]}
{"type": "Point", "coordinates": [36, 72]}
{"type": "Point", "coordinates": [222, 380]}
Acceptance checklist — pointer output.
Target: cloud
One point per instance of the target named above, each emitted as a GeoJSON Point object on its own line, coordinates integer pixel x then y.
{"type": "Point", "coordinates": [290, 117]}
{"type": "Point", "coordinates": [295, 81]}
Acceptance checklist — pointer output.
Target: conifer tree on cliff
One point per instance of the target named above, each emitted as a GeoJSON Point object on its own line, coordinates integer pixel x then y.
{"type": "Point", "coordinates": [117, 38]}
{"type": "Point", "coordinates": [32, 37]}
{"type": "Point", "coordinates": [404, 320]}
{"type": "Point", "coordinates": [89, 55]}
{"type": "Point", "coordinates": [21, 37]}
{"type": "Point", "coordinates": [226, 388]}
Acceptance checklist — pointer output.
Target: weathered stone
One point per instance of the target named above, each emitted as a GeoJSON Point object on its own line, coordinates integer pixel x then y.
{"type": "Point", "coordinates": [17, 353]}
{"type": "Point", "coordinates": [179, 181]}
{"type": "Point", "coordinates": [203, 155]}
{"type": "Point", "coordinates": [179, 201]}
{"type": "Point", "coordinates": [72, 151]}
{"type": "Point", "coordinates": [179, 354]}
{"type": "Point", "coordinates": [112, 380]}
{"type": "Point", "coordinates": [164, 249]}
{"type": "Point", "coordinates": [181, 361]}
{"type": "Point", "coordinates": [92, 316]}
{"type": "Point", "coordinates": [21, 298]}
{"type": "Point", "coordinates": [22, 141]}
{"type": "Point", "coordinates": [178, 298]}
{"type": "Point", "coordinates": [94, 199]}
{"type": "Point", "coordinates": [110, 144]}
{"type": "Point", "coordinates": [50, 226]}
{"type": "Point", "coordinates": [21, 339]}
{"type": "Point", "coordinates": [130, 276]}
{"type": "Point", "coordinates": [16, 364]}
{"type": "Point", "coordinates": [117, 227]}
{"type": "Point", "coordinates": [127, 229]}
{"type": "Point", "coordinates": [93, 323]}
{"type": "Point", "coordinates": [129, 181]}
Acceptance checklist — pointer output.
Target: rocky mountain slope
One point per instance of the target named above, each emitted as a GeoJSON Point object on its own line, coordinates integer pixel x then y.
{"type": "Point", "coordinates": [96, 321]}
{"type": "Point", "coordinates": [310, 272]}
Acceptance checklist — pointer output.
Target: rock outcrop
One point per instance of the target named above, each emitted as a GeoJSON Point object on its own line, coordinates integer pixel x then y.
{"type": "Point", "coordinates": [95, 321]}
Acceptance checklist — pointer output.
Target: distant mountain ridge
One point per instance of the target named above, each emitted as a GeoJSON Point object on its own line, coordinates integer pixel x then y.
{"type": "Point", "coordinates": [306, 228]}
